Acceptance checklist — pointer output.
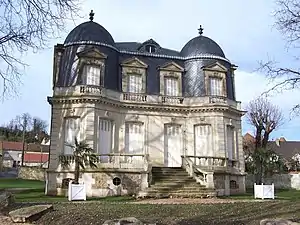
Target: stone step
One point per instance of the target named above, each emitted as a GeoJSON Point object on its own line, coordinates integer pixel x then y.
{"type": "Point", "coordinates": [167, 169]}
{"type": "Point", "coordinates": [174, 184]}
{"type": "Point", "coordinates": [173, 179]}
{"type": "Point", "coordinates": [165, 189]}
{"type": "Point", "coordinates": [207, 194]}
{"type": "Point", "coordinates": [181, 173]}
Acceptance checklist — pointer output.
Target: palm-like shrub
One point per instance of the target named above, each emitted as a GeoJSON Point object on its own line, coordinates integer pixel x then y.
{"type": "Point", "coordinates": [83, 156]}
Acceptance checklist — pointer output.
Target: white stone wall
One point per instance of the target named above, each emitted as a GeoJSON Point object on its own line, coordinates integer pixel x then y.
{"type": "Point", "coordinates": [281, 181]}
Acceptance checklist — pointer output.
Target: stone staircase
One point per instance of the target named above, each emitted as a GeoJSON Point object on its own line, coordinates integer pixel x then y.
{"type": "Point", "coordinates": [175, 182]}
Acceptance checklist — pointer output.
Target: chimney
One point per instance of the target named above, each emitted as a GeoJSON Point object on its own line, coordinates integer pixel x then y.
{"type": "Point", "coordinates": [282, 139]}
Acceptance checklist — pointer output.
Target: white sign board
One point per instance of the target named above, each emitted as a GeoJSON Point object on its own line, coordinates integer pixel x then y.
{"type": "Point", "coordinates": [76, 192]}
{"type": "Point", "coordinates": [264, 191]}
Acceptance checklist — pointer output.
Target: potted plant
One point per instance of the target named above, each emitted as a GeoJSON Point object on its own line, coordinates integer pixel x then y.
{"type": "Point", "coordinates": [83, 156]}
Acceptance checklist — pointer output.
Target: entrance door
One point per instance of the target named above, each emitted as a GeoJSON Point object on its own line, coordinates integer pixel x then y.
{"type": "Point", "coordinates": [105, 139]}
{"type": "Point", "coordinates": [172, 151]}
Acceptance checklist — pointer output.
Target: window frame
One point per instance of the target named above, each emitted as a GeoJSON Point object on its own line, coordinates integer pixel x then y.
{"type": "Point", "coordinates": [84, 73]}
{"type": "Point", "coordinates": [78, 135]}
{"type": "Point", "coordinates": [176, 78]}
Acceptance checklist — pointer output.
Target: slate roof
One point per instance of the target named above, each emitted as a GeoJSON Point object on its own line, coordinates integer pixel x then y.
{"type": "Point", "coordinates": [90, 31]}
{"type": "Point", "coordinates": [201, 45]}
{"type": "Point", "coordinates": [135, 47]}
{"type": "Point", "coordinates": [287, 149]}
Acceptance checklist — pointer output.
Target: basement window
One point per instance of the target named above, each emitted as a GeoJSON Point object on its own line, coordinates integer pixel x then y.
{"type": "Point", "coordinates": [116, 181]}
{"type": "Point", "coordinates": [233, 184]}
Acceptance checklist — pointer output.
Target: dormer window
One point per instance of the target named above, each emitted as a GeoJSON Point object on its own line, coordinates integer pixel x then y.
{"type": "Point", "coordinates": [150, 48]}
{"type": "Point", "coordinates": [91, 75]}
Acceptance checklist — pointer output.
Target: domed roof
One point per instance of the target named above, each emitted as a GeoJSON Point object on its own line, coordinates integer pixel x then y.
{"type": "Point", "coordinates": [90, 31]}
{"type": "Point", "coordinates": [201, 45]}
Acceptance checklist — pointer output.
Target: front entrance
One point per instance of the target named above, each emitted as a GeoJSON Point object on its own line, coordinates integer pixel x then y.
{"type": "Point", "coordinates": [172, 145]}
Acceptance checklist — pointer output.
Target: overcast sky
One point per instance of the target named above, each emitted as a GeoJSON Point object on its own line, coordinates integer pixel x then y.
{"type": "Point", "coordinates": [244, 30]}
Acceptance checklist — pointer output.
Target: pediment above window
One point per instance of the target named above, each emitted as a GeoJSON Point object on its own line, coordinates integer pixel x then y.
{"type": "Point", "coordinates": [171, 66]}
{"type": "Point", "coordinates": [92, 53]}
{"type": "Point", "coordinates": [134, 62]}
{"type": "Point", "coordinates": [216, 67]}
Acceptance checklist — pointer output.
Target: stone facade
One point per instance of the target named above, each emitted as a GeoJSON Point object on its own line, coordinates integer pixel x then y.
{"type": "Point", "coordinates": [280, 181]}
{"type": "Point", "coordinates": [32, 173]}
{"type": "Point", "coordinates": [144, 111]}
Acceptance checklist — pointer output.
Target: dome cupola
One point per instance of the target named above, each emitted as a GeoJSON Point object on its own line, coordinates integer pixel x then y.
{"type": "Point", "coordinates": [201, 46]}
{"type": "Point", "coordinates": [90, 32]}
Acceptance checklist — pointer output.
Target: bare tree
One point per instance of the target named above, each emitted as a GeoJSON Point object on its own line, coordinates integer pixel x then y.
{"type": "Point", "coordinates": [287, 15]}
{"type": "Point", "coordinates": [265, 117]}
{"type": "Point", "coordinates": [28, 25]}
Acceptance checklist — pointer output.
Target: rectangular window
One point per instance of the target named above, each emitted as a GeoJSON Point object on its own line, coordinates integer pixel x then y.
{"type": "Point", "coordinates": [105, 140]}
{"type": "Point", "coordinates": [72, 130]}
{"type": "Point", "coordinates": [202, 139]}
{"type": "Point", "coordinates": [230, 142]}
{"type": "Point", "coordinates": [135, 83]}
{"type": "Point", "coordinates": [134, 138]}
{"type": "Point", "coordinates": [216, 86]}
{"type": "Point", "coordinates": [170, 86]}
{"type": "Point", "coordinates": [92, 75]}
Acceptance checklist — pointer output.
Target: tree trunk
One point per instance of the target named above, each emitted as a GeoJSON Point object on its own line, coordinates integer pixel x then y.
{"type": "Point", "coordinates": [77, 171]}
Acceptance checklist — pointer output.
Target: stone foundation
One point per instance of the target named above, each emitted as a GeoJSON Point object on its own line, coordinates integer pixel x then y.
{"type": "Point", "coordinates": [227, 184]}
{"type": "Point", "coordinates": [281, 181]}
{"type": "Point", "coordinates": [99, 184]}
{"type": "Point", "coordinates": [32, 173]}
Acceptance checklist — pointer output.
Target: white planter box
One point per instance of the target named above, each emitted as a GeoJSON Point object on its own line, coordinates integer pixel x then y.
{"type": "Point", "coordinates": [264, 191]}
{"type": "Point", "coordinates": [76, 192]}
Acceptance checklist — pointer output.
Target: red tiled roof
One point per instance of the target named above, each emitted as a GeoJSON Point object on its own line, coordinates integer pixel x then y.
{"type": "Point", "coordinates": [11, 145]}
{"type": "Point", "coordinates": [36, 157]}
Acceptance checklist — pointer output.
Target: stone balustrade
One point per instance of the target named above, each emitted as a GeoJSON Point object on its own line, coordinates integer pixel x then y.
{"type": "Point", "coordinates": [209, 163]}
{"type": "Point", "coordinates": [88, 90]}
{"type": "Point", "coordinates": [115, 161]}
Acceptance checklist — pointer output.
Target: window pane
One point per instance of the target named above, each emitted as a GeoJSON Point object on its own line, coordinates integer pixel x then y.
{"type": "Point", "coordinates": [135, 83]}
{"type": "Point", "coordinates": [171, 86]}
{"type": "Point", "coordinates": [72, 130]}
{"type": "Point", "coordinates": [92, 74]}
{"type": "Point", "coordinates": [216, 86]}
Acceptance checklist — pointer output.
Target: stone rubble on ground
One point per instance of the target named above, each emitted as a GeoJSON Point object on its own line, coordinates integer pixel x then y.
{"type": "Point", "coordinates": [6, 201]}
{"type": "Point", "coordinates": [126, 221]}
{"type": "Point", "coordinates": [277, 222]}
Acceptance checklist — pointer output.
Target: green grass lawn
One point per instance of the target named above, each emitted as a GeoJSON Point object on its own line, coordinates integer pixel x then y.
{"type": "Point", "coordinates": [36, 192]}
{"type": "Point", "coordinates": [93, 212]}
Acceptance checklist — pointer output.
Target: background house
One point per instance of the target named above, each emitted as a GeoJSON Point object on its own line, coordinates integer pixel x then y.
{"type": "Point", "coordinates": [34, 155]}
{"type": "Point", "coordinates": [288, 150]}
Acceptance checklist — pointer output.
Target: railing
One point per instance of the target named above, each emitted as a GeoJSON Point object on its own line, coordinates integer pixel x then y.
{"type": "Point", "coordinates": [199, 175]}
{"type": "Point", "coordinates": [172, 100]}
{"type": "Point", "coordinates": [91, 89]}
{"type": "Point", "coordinates": [212, 163]}
{"type": "Point", "coordinates": [134, 97]}
{"type": "Point", "coordinates": [80, 90]}
{"type": "Point", "coordinates": [116, 161]}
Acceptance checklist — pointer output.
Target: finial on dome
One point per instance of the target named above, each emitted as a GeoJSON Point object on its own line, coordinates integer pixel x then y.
{"type": "Point", "coordinates": [92, 15]}
{"type": "Point", "coordinates": [200, 30]}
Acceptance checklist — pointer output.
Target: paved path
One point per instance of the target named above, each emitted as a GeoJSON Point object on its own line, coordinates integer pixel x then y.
{"type": "Point", "coordinates": [192, 201]}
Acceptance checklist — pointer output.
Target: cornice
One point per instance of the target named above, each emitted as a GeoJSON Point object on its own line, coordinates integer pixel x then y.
{"type": "Point", "coordinates": [144, 105]}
